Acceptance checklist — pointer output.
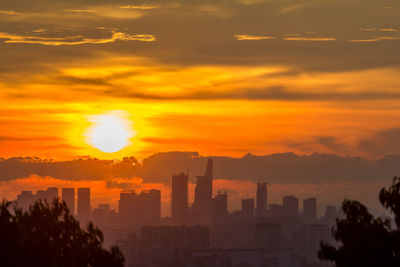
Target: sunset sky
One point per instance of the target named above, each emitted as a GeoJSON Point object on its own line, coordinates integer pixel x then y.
{"type": "Point", "coordinates": [220, 77]}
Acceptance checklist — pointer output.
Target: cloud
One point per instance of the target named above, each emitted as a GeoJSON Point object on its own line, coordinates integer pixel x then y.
{"type": "Point", "coordinates": [382, 142]}
{"type": "Point", "coordinates": [142, 7]}
{"type": "Point", "coordinates": [310, 39]}
{"type": "Point", "coordinates": [7, 12]}
{"type": "Point", "coordinates": [80, 11]}
{"type": "Point", "coordinates": [374, 40]}
{"type": "Point", "coordinates": [158, 168]}
{"type": "Point", "coordinates": [242, 37]}
{"type": "Point", "coordinates": [74, 40]}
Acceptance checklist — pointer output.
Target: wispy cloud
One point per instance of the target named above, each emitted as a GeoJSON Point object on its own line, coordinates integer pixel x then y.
{"type": "Point", "coordinates": [373, 40]}
{"type": "Point", "coordinates": [75, 40]}
{"type": "Point", "coordinates": [242, 37]}
{"type": "Point", "coordinates": [80, 10]}
{"type": "Point", "coordinates": [7, 12]}
{"type": "Point", "coordinates": [142, 7]}
{"type": "Point", "coordinates": [311, 39]}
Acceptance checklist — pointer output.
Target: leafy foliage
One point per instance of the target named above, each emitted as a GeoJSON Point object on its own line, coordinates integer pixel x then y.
{"type": "Point", "coordinates": [365, 240]}
{"type": "Point", "coordinates": [48, 235]}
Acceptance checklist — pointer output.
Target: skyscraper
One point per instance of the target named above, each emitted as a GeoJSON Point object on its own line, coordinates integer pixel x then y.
{"type": "Point", "coordinates": [179, 205]}
{"type": "Point", "coordinates": [68, 196]}
{"type": "Point", "coordinates": [310, 208]}
{"type": "Point", "coordinates": [248, 208]}
{"type": "Point", "coordinates": [261, 199]}
{"type": "Point", "coordinates": [203, 195]}
{"type": "Point", "coordinates": [290, 207]}
{"type": "Point", "coordinates": [84, 205]}
{"type": "Point", "coordinates": [219, 206]}
{"type": "Point", "coordinates": [150, 207]}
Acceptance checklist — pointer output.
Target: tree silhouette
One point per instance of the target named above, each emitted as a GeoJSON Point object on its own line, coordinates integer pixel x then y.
{"type": "Point", "coordinates": [363, 239]}
{"type": "Point", "coordinates": [48, 235]}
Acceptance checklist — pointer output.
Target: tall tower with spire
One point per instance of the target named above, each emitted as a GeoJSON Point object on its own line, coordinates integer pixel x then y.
{"type": "Point", "coordinates": [203, 196]}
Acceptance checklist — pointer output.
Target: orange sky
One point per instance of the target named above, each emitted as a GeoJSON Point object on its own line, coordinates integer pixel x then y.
{"type": "Point", "coordinates": [216, 77]}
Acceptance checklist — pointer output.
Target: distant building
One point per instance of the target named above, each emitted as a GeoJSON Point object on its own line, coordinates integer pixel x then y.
{"type": "Point", "coordinates": [104, 217]}
{"type": "Point", "coordinates": [248, 208]}
{"type": "Point", "coordinates": [310, 208]}
{"type": "Point", "coordinates": [47, 195]}
{"type": "Point", "coordinates": [84, 205]}
{"type": "Point", "coordinates": [219, 206]}
{"type": "Point", "coordinates": [179, 199]}
{"type": "Point", "coordinates": [68, 196]}
{"type": "Point", "coordinates": [142, 209]}
{"type": "Point", "coordinates": [330, 215]}
{"type": "Point", "coordinates": [268, 236]}
{"type": "Point", "coordinates": [25, 199]}
{"type": "Point", "coordinates": [290, 207]}
{"type": "Point", "coordinates": [202, 206]}
{"type": "Point", "coordinates": [262, 200]}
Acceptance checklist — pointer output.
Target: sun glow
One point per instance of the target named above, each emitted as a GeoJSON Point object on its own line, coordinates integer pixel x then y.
{"type": "Point", "coordinates": [110, 132]}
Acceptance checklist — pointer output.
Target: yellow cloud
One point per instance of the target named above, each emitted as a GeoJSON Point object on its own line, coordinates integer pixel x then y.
{"type": "Point", "coordinates": [242, 37]}
{"type": "Point", "coordinates": [373, 40]}
{"type": "Point", "coordinates": [312, 39]}
{"type": "Point", "coordinates": [75, 40]}
{"type": "Point", "coordinates": [7, 12]}
{"type": "Point", "coordinates": [142, 7]}
{"type": "Point", "coordinates": [80, 10]}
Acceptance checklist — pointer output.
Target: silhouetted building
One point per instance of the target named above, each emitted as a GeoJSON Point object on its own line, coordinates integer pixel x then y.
{"type": "Point", "coordinates": [150, 207]}
{"type": "Point", "coordinates": [261, 199]}
{"type": "Point", "coordinates": [179, 202]}
{"type": "Point", "coordinates": [202, 205]}
{"type": "Point", "coordinates": [219, 206]}
{"type": "Point", "coordinates": [104, 217]}
{"type": "Point", "coordinates": [128, 209]}
{"type": "Point", "coordinates": [68, 196]}
{"type": "Point", "coordinates": [310, 208]}
{"type": "Point", "coordinates": [139, 210]}
{"type": "Point", "coordinates": [268, 236]}
{"type": "Point", "coordinates": [49, 195]}
{"type": "Point", "coordinates": [25, 199]}
{"type": "Point", "coordinates": [84, 205]}
{"type": "Point", "coordinates": [330, 215]}
{"type": "Point", "coordinates": [290, 207]}
{"type": "Point", "coordinates": [248, 208]}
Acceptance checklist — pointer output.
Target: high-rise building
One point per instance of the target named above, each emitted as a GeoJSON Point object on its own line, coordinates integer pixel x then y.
{"type": "Point", "coordinates": [330, 215]}
{"type": "Point", "coordinates": [310, 208]}
{"type": "Point", "coordinates": [150, 207]}
{"type": "Point", "coordinates": [142, 209]}
{"type": "Point", "coordinates": [47, 195]}
{"type": "Point", "coordinates": [290, 207]}
{"type": "Point", "coordinates": [268, 236]}
{"type": "Point", "coordinates": [84, 205]}
{"type": "Point", "coordinates": [248, 208]}
{"type": "Point", "coordinates": [219, 206]}
{"type": "Point", "coordinates": [68, 196]}
{"type": "Point", "coordinates": [128, 209]}
{"type": "Point", "coordinates": [179, 203]}
{"type": "Point", "coordinates": [52, 193]}
{"type": "Point", "coordinates": [262, 199]}
{"type": "Point", "coordinates": [25, 199]}
{"type": "Point", "coordinates": [203, 196]}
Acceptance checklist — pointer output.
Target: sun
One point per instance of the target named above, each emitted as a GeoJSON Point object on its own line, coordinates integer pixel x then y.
{"type": "Point", "coordinates": [110, 132]}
